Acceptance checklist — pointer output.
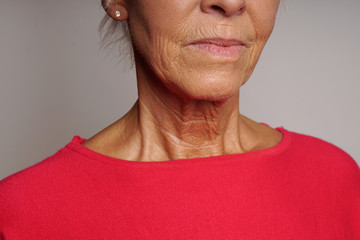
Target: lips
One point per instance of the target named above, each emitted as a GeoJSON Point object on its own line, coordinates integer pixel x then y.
{"type": "Point", "coordinates": [220, 48]}
{"type": "Point", "coordinates": [219, 42]}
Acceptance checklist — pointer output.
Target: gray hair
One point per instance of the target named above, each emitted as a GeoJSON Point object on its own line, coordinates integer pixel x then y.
{"type": "Point", "coordinates": [115, 35]}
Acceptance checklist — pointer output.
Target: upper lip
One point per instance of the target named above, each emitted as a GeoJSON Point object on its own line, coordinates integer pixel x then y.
{"type": "Point", "coordinates": [219, 42]}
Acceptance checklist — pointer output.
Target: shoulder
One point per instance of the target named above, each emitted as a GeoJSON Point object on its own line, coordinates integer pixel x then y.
{"type": "Point", "coordinates": [38, 190]}
{"type": "Point", "coordinates": [324, 159]}
{"type": "Point", "coordinates": [309, 146]}
{"type": "Point", "coordinates": [33, 176]}
{"type": "Point", "coordinates": [18, 190]}
{"type": "Point", "coordinates": [59, 163]}
{"type": "Point", "coordinates": [45, 169]}
{"type": "Point", "coordinates": [37, 180]}
{"type": "Point", "coordinates": [332, 175]}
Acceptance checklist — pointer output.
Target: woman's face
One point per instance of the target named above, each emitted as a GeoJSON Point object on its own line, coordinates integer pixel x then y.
{"type": "Point", "coordinates": [200, 49]}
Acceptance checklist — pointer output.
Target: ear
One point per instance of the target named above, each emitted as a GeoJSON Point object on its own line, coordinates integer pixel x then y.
{"type": "Point", "coordinates": [115, 9]}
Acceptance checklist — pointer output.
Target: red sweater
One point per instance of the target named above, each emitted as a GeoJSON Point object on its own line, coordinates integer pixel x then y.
{"type": "Point", "coordinates": [303, 188]}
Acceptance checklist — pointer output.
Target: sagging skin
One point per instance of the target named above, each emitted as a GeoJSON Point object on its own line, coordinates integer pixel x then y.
{"type": "Point", "coordinates": [191, 57]}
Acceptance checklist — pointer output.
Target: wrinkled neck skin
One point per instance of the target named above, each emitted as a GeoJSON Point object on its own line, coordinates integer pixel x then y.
{"type": "Point", "coordinates": [164, 126]}
{"type": "Point", "coordinates": [175, 128]}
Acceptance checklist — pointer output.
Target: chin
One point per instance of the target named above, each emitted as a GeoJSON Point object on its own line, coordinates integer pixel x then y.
{"type": "Point", "coordinates": [213, 82]}
{"type": "Point", "coordinates": [210, 90]}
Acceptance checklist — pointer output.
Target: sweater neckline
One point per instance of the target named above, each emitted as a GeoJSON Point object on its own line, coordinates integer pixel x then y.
{"type": "Point", "coordinates": [76, 146]}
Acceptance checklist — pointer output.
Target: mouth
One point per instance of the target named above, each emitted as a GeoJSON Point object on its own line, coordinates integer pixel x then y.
{"type": "Point", "coordinates": [225, 48]}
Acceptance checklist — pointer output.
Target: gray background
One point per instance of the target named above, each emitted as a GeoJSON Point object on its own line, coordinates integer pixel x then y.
{"type": "Point", "coordinates": [56, 83]}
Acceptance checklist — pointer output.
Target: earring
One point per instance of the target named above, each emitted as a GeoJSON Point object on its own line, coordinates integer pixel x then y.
{"type": "Point", "coordinates": [117, 14]}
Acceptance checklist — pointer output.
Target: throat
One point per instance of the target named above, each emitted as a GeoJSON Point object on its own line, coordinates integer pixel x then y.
{"type": "Point", "coordinates": [159, 133]}
{"type": "Point", "coordinates": [200, 129]}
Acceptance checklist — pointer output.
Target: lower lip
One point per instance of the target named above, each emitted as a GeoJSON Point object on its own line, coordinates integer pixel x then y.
{"type": "Point", "coordinates": [221, 51]}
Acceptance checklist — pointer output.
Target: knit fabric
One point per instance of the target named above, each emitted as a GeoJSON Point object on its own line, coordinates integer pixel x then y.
{"type": "Point", "coordinates": [303, 188]}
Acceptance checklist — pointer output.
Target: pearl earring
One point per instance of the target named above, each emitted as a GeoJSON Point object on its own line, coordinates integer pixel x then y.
{"type": "Point", "coordinates": [117, 14]}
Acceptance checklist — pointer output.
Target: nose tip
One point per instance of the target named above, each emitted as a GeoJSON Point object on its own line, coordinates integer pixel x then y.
{"type": "Point", "coordinates": [223, 7]}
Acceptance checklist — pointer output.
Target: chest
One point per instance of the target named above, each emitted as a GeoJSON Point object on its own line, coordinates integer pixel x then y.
{"type": "Point", "coordinates": [222, 206]}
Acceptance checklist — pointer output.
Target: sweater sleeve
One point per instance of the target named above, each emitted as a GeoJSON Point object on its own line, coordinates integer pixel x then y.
{"type": "Point", "coordinates": [5, 219]}
{"type": "Point", "coordinates": [11, 209]}
{"type": "Point", "coordinates": [352, 193]}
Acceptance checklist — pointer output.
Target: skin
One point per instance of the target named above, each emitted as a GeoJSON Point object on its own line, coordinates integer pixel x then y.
{"type": "Point", "coordinates": [189, 99]}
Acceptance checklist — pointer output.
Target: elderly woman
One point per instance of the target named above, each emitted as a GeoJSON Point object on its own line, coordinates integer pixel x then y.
{"type": "Point", "coordinates": [183, 163]}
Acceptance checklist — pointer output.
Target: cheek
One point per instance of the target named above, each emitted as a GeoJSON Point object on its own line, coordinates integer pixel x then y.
{"type": "Point", "coordinates": [157, 35]}
{"type": "Point", "coordinates": [263, 14]}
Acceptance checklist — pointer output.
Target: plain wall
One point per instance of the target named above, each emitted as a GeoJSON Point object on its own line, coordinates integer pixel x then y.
{"type": "Point", "coordinates": [56, 83]}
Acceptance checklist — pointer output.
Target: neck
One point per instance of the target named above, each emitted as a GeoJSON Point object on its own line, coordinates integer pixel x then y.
{"type": "Point", "coordinates": [173, 127]}
{"type": "Point", "coordinates": [198, 129]}
{"type": "Point", "coordinates": [164, 126]}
